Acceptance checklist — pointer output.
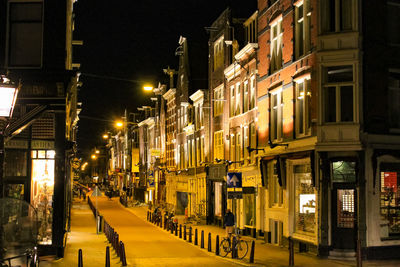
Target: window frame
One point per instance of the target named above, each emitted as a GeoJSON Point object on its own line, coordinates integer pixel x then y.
{"type": "Point", "coordinates": [302, 28]}
{"type": "Point", "coordinates": [276, 58]}
{"type": "Point", "coordinates": [278, 124]}
{"type": "Point", "coordinates": [338, 86]}
{"type": "Point", "coordinates": [306, 108]}
{"type": "Point", "coordinates": [8, 35]}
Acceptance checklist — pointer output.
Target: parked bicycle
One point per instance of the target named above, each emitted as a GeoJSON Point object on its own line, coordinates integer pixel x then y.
{"type": "Point", "coordinates": [240, 246]}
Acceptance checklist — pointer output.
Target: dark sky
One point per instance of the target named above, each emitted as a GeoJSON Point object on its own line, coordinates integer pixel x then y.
{"type": "Point", "coordinates": [133, 40]}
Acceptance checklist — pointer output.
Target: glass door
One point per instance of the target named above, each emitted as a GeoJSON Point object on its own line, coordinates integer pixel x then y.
{"type": "Point", "coordinates": [343, 217]}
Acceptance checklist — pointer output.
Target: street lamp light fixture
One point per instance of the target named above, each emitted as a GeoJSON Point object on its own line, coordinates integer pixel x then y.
{"type": "Point", "coordinates": [148, 88]}
{"type": "Point", "coordinates": [8, 96]}
{"type": "Point", "coordinates": [94, 156]}
{"type": "Point", "coordinates": [105, 136]}
{"type": "Point", "coordinates": [119, 124]}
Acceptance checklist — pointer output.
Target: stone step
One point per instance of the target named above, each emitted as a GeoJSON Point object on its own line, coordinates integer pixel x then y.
{"type": "Point", "coordinates": [342, 254]}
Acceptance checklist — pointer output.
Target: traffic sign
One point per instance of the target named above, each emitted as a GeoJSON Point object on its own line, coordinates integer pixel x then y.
{"type": "Point", "coordinates": [234, 179]}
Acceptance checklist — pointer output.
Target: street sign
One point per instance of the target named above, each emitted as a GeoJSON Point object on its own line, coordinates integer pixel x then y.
{"type": "Point", "coordinates": [235, 194]}
{"type": "Point", "coordinates": [234, 179]}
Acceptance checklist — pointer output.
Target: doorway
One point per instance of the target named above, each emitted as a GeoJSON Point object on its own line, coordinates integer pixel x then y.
{"type": "Point", "coordinates": [344, 216]}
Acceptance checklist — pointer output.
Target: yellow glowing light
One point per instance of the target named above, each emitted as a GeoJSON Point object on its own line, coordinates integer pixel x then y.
{"type": "Point", "coordinates": [94, 156]}
{"type": "Point", "coordinates": [148, 88]}
{"type": "Point", "coordinates": [119, 124]}
{"type": "Point", "coordinates": [97, 151]}
{"type": "Point", "coordinates": [105, 136]}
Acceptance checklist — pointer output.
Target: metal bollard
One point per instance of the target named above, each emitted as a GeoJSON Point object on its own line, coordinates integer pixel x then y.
{"type": "Point", "coordinates": [123, 255]}
{"type": "Point", "coordinates": [202, 239]}
{"type": "Point", "coordinates": [190, 234]}
{"type": "Point", "coordinates": [209, 242]}
{"type": "Point", "coordinates": [291, 252]}
{"type": "Point", "coordinates": [176, 230]}
{"type": "Point", "coordinates": [107, 256]}
{"type": "Point", "coordinates": [184, 232]}
{"type": "Point", "coordinates": [117, 243]}
{"type": "Point", "coordinates": [80, 258]}
{"type": "Point", "coordinates": [195, 237]}
{"type": "Point", "coordinates": [253, 244]}
{"type": "Point", "coordinates": [147, 215]}
{"type": "Point", "coordinates": [217, 245]}
{"type": "Point", "coordinates": [359, 253]}
{"type": "Point", "coordinates": [161, 223]}
{"type": "Point", "coordinates": [180, 231]}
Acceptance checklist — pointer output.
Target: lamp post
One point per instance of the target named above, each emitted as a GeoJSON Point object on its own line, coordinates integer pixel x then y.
{"type": "Point", "coordinates": [8, 96]}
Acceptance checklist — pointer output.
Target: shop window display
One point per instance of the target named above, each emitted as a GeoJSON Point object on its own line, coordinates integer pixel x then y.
{"type": "Point", "coordinates": [305, 200]}
{"type": "Point", "coordinates": [390, 202]}
{"type": "Point", "coordinates": [249, 203]}
{"type": "Point", "coordinates": [218, 199]}
{"type": "Point", "coordinates": [42, 193]}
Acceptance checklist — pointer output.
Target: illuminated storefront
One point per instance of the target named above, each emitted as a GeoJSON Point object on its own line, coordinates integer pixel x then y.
{"type": "Point", "coordinates": [42, 191]}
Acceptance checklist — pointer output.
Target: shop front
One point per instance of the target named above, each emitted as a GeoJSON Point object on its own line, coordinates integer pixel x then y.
{"type": "Point", "coordinates": [303, 207]}
{"type": "Point", "coordinates": [216, 192]}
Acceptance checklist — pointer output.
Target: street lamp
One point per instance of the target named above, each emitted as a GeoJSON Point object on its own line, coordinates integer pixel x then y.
{"type": "Point", "coordinates": [148, 88]}
{"type": "Point", "coordinates": [8, 96]}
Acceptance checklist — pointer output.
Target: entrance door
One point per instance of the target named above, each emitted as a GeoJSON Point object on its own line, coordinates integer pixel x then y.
{"type": "Point", "coordinates": [344, 216]}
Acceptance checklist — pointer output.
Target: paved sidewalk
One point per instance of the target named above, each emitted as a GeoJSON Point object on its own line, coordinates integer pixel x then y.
{"type": "Point", "coordinates": [267, 254]}
{"type": "Point", "coordinates": [83, 236]}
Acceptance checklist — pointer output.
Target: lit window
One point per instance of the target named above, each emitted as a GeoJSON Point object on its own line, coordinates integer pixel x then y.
{"type": "Point", "coordinates": [276, 192]}
{"type": "Point", "coordinates": [245, 96]}
{"type": "Point", "coordinates": [303, 28]}
{"type": "Point", "coordinates": [276, 46]}
{"type": "Point", "coordinates": [218, 101]}
{"type": "Point", "coordinates": [252, 92]}
{"type": "Point", "coordinates": [218, 145]}
{"type": "Point", "coordinates": [219, 53]}
{"type": "Point", "coordinates": [390, 200]}
{"type": "Point", "coordinates": [303, 105]}
{"type": "Point", "coordinates": [276, 115]}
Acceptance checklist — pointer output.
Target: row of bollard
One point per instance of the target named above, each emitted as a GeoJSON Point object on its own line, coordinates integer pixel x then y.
{"type": "Point", "coordinates": [80, 257]}
{"type": "Point", "coordinates": [187, 234]}
{"type": "Point", "coordinates": [118, 245]}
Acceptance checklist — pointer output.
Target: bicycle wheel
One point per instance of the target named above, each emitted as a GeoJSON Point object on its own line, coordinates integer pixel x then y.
{"type": "Point", "coordinates": [224, 247]}
{"type": "Point", "coordinates": [242, 249]}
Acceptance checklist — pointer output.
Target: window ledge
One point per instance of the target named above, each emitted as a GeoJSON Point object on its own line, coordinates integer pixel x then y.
{"type": "Point", "coordinates": [390, 238]}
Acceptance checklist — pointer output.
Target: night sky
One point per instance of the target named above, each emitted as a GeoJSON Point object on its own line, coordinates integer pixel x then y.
{"type": "Point", "coordinates": [133, 40]}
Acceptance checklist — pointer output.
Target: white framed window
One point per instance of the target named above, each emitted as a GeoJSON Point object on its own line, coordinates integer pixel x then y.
{"type": "Point", "coordinates": [219, 53]}
{"type": "Point", "coordinates": [276, 45]}
{"type": "Point", "coordinates": [232, 151]}
{"type": "Point", "coordinates": [302, 27]}
{"type": "Point", "coordinates": [394, 99]}
{"type": "Point", "coordinates": [246, 96]}
{"type": "Point", "coordinates": [303, 106]}
{"type": "Point", "coordinates": [338, 94]}
{"type": "Point", "coordinates": [275, 190]}
{"type": "Point", "coordinates": [238, 155]}
{"type": "Point", "coordinates": [276, 116]}
{"type": "Point", "coordinates": [237, 98]}
{"type": "Point", "coordinates": [25, 34]}
{"type": "Point", "coordinates": [232, 103]}
{"type": "Point", "coordinates": [337, 15]}
{"type": "Point", "coordinates": [253, 142]}
{"type": "Point", "coordinates": [219, 145]}
{"type": "Point", "coordinates": [218, 100]}
{"type": "Point", "coordinates": [193, 152]}
{"type": "Point", "coordinates": [202, 159]}
{"type": "Point", "coordinates": [252, 103]}
{"type": "Point", "coordinates": [246, 142]}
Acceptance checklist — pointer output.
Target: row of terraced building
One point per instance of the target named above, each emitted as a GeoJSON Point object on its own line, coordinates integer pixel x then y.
{"type": "Point", "coordinates": [295, 127]}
